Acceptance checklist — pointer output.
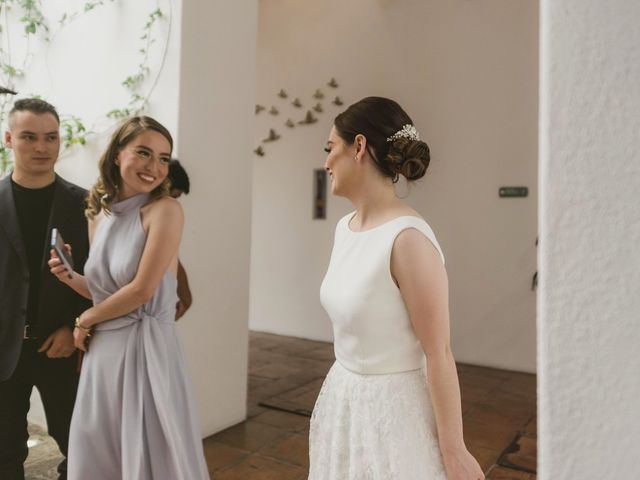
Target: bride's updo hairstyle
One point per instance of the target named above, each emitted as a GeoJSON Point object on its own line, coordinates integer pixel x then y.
{"type": "Point", "coordinates": [392, 140]}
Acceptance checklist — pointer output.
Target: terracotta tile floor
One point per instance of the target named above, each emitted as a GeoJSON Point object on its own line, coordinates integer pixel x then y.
{"type": "Point", "coordinates": [499, 409]}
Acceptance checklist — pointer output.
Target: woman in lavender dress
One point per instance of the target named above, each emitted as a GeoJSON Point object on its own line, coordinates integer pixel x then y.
{"type": "Point", "coordinates": [134, 417]}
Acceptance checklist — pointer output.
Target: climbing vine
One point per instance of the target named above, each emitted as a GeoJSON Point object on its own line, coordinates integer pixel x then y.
{"type": "Point", "coordinates": [28, 23]}
{"type": "Point", "coordinates": [134, 82]}
{"type": "Point", "coordinates": [69, 17]}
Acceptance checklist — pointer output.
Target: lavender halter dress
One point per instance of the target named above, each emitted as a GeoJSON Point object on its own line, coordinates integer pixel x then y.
{"type": "Point", "coordinates": [134, 416]}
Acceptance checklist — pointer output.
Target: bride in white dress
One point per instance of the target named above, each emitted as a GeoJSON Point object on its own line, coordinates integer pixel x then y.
{"type": "Point", "coordinates": [383, 412]}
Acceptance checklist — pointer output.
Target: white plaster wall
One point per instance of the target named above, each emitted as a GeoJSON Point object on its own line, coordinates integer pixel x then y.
{"type": "Point", "coordinates": [217, 95]}
{"type": "Point", "coordinates": [467, 74]}
{"type": "Point", "coordinates": [589, 329]}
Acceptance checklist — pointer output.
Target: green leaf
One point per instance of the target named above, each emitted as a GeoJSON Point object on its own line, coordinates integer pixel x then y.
{"type": "Point", "coordinates": [119, 113]}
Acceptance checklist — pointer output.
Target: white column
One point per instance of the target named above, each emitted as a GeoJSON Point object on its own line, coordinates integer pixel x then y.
{"type": "Point", "coordinates": [589, 297]}
{"type": "Point", "coordinates": [215, 129]}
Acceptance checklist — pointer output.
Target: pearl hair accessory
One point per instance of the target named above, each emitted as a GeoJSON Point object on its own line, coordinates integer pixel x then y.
{"type": "Point", "coordinates": [407, 131]}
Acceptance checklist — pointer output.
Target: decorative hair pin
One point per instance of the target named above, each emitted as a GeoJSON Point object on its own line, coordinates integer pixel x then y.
{"type": "Point", "coordinates": [407, 131]}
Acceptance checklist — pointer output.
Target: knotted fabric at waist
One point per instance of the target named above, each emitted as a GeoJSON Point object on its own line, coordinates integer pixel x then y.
{"type": "Point", "coordinates": [153, 378]}
{"type": "Point", "coordinates": [166, 316]}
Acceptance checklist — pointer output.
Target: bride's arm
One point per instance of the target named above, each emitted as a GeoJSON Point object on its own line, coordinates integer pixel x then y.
{"type": "Point", "coordinates": [165, 220]}
{"type": "Point", "coordinates": [417, 268]}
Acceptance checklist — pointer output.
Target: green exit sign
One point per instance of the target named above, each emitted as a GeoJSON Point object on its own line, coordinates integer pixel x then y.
{"type": "Point", "coordinates": [513, 191]}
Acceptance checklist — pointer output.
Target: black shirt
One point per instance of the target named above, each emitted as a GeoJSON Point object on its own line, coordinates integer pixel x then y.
{"type": "Point", "coordinates": [33, 208]}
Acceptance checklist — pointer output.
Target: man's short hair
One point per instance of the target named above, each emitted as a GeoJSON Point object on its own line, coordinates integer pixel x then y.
{"type": "Point", "coordinates": [178, 176]}
{"type": "Point", "coordinates": [34, 105]}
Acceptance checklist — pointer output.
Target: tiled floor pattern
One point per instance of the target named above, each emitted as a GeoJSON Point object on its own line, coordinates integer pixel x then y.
{"type": "Point", "coordinates": [284, 372]}
{"type": "Point", "coordinates": [498, 411]}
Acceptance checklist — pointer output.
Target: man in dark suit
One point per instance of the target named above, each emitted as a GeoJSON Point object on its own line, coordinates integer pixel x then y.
{"type": "Point", "coordinates": [37, 311]}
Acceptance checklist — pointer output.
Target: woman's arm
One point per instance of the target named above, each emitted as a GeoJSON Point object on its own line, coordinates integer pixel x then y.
{"type": "Point", "coordinates": [74, 280]}
{"type": "Point", "coordinates": [164, 219]}
{"type": "Point", "coordinates": [418, 270]}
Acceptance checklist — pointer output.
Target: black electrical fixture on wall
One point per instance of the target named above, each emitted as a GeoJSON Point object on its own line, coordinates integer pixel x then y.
{"type": "Point", "coordinates": [319, 194]}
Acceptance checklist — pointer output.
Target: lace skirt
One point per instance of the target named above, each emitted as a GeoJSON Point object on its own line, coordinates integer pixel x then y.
{"type": "Point", "coordinates": [374, 427]}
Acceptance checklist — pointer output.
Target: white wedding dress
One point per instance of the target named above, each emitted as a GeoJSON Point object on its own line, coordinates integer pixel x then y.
{"type": "Point", "coordinates": [373, 419]}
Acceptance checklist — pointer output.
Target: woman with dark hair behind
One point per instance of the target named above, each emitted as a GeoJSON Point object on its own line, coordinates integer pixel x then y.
{"type": "Point", "coordinates": [180, 184]}
{"type": "Point", "coordinates": [134, 416]}
{"type": "Point", "coordinates": [381, 414]}
{"type": "Point", "coordinates": [179, 179]}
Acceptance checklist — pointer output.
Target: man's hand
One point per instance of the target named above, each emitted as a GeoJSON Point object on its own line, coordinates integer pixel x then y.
{"type": "Point", "coordinates": [59, 344]}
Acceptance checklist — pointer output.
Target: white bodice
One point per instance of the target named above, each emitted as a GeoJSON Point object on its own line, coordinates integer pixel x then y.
{"type": "Point", "coordinates": [372, 330]}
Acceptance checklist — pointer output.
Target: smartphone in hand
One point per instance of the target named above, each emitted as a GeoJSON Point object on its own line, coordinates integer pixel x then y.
{"type": "Point", "coordinates": [57, 243]}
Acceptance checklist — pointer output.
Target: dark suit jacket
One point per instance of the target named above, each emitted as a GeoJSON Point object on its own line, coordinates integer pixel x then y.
{"type": "Point", "coordinates": [58, 304]}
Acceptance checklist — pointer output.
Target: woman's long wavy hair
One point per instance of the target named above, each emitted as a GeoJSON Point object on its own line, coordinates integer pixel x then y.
{"type": "Point", "coordinates": [105, 191]}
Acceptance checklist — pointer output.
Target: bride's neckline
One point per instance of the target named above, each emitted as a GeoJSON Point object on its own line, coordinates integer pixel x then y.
{"type": "Point", "coordinates": [377, 226]}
